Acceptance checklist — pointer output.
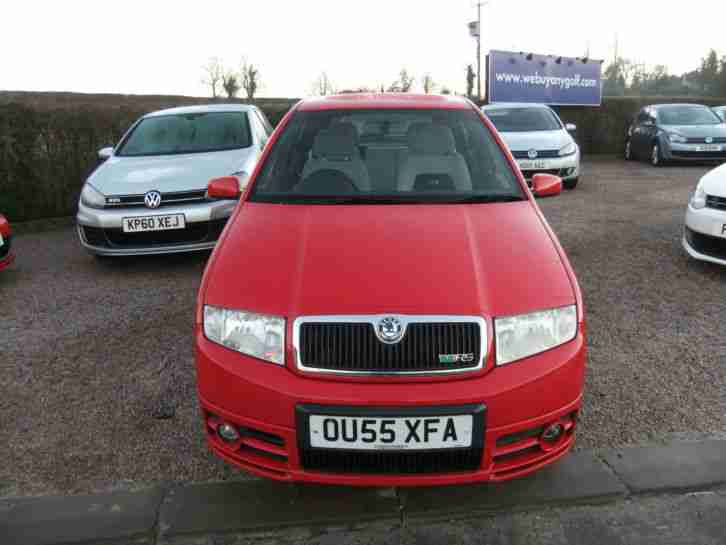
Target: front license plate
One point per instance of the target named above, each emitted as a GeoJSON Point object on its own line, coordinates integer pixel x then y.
{"type": "Point", "coordinates": [709, 147]}
{"type": "Point", "coordinates": [390, 433]}
{"type": "Point", "coordinates": [532, 165]}
{"type": "Point", "coordinates": [719, 230]}
{"type": "Point", "coordinates": [140, 224]}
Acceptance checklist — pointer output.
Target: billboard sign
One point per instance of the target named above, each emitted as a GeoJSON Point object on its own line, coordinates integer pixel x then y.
{"type": "Point", "coordinates": [547, 79]}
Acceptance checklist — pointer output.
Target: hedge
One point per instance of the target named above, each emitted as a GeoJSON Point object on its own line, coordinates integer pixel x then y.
{"type": "Point", "coordinates": [46, 153]}
{"type": "Point", "coordinates": [48, 141]}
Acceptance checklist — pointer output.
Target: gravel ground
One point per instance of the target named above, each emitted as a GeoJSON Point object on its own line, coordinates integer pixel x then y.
{"type": "Point", "coordinates": [97, 374]}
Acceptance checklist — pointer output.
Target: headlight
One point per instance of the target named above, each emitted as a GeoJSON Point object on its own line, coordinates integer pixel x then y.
{"type": "Point", "coordinates": [256, 335]}
{"type": "Point", "coordinates": [521, 336]}
{"type": "Point", "coordinates": [677, 138]}
{"type": "Point", "coordinates": [698, 199]}
{"type": "Point", "coordinates": [569, 149]}
{"type": "Point", "coordinates": [90, 196]}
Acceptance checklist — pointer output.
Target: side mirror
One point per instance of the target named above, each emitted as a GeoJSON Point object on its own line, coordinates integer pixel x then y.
{"type": "Point", "coordinates": [105, 153]}
{"type": "Point", "coordinates": [546, 185]}
{"type": "Point", "coordinates": [226, 187]}
{"type": "Point", "coordinates": [571, 127]}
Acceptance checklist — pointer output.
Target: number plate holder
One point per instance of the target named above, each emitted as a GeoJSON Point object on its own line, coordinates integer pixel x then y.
{"type": "Point", "coordinates": [476, 411]}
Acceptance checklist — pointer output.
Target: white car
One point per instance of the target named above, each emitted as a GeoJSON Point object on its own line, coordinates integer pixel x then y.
{"type": "Point", "coordinates": [150, 195]}
{"type": "Point", "coordinates": [704, 236]}
{"type": "Point", "coordinates": [538, 140]}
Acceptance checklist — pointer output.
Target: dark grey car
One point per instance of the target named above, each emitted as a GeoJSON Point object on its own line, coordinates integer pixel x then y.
{"type": "Point", "coordinates": [676, 132]}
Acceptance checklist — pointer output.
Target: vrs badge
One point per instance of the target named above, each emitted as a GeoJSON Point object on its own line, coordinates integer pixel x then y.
{"type": "Point", "coordinates": [456, 358]}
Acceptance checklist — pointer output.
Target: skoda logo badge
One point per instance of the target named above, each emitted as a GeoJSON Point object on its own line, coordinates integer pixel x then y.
{"type": "Point", "coordinates": [709, 140]}
{"type": "Point", "coordinates": [532, 154]}
{"type": "Point", "coordinates": [152, 199]}
{"type": "Point", "coordinates": [389, 330]}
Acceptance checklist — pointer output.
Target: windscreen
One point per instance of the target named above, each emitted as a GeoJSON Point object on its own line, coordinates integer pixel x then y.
{"type": "Point", "coordinates": [386, 157]}
{"type": "Point", "coordinates": [188, 133]}
{"type": "Point", "coordinates": [523, 119]}
{"type": "Point", "coordinates": [687, 115]}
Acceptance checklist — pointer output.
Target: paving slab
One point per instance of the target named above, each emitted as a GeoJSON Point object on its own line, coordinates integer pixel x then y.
{"type": "Point", "coordinates": [579, 477]}
{"type": "Point", "coordinates": [260, 505]}
{"type": "Point", "coordinates": [119, 517]}
{"type": "Point", "coordinates": [688, 465]}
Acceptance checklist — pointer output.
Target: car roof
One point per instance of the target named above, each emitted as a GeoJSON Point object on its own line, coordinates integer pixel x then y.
{"type": "Point", "coordinates": [361, 101]}
{"type": "Point", "coordinates": [202, 108]}
{"type": "Point", "coordinates": [503, 105]}
{"type": "Point", "coordinates": [658, 106]}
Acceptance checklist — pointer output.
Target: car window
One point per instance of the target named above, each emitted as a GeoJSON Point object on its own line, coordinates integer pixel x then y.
{"type": "Point", "coordinates": [387, 157]}
{"type": "Point", "coordinates": [187, 133]}
{"type": "Point", "coordinates": [687, 115]}
{"type": "Point", "coordinates": [523, 119]}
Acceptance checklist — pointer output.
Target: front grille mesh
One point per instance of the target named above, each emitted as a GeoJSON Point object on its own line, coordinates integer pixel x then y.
{"type": "Point", "coordinates": [167, 199]}
{"type": "Point", "coordinates": [354, 347]}
{"type": "Point", "coordinates": [392, 463]}
{"type": "Point", "coordinates": [718, 203]}
{"type": "Point", "coordinates": [193, 233]}
{"type": "Point", "coordinates": [542, 154]}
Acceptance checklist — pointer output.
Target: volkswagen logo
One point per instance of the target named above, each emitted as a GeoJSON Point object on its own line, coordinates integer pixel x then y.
{"type": "Point", "coordinates": [532, 154]}
{"type": "Point", "coordinates": [709, 140]}
{"type": "Point", "coordinates": [389, 330]}
{"type": "Point", "coordinates": [152, 199]}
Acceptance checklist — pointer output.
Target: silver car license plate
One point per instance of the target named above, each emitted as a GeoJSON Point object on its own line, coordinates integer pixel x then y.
{"type": "Point", "coordinates": [141, 224]}
{"type": "Point", "coordinates": [391, 433]}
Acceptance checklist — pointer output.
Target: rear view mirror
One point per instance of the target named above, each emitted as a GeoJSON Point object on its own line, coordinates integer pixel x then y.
{"type": "Point", "coordinates": [105, 153]}
{"type": "Point", "coordinates": [546, 185]}
{"type": "Point", "coordinates": [226, 187]}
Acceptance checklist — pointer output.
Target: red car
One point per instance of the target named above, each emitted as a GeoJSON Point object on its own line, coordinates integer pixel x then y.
{"type": "Point", "coordinates": [6, 256]}
{"type": "Point", "coordinates": [387, 305]}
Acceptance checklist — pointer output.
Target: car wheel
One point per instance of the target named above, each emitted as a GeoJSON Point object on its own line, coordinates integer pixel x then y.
{"type": "Point", "coordinates": [628, 151]}
{"type": "Point", "coordinates": [655, 158]}
{"type": "Point", "coordinates": [570, 184]}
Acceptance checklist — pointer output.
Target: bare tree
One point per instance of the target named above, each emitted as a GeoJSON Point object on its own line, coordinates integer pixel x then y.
{"type": "Point", "coordinates": [250, 79]}
{"type": "Point", "coordinates": [230, 84]}
{"type": "Point", "coordinates": [322, 85]}
{"type": "Point", "coordinates": [470, 81]}
{"type": "Point", "coordinates": [428, 83]}
{"type": "Point", "coordinates": [213, 74]}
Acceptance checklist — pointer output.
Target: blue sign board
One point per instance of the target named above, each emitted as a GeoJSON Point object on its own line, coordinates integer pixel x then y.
{"type": "Point", "coordinates": [547, 79]}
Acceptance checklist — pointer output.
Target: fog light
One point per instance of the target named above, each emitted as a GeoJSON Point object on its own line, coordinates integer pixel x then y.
{"type": "Point", "coordinates": [228, 433]}
{"type": "Point", "coordinates": [553, 433]}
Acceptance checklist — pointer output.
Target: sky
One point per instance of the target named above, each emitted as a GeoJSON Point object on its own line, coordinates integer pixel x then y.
{"type": "Point", "coordinates": [160, 46]}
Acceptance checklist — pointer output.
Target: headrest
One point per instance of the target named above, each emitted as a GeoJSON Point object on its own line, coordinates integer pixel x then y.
{"type": "Point", "coordinates": [415, 127]}
{"type": "Point", "coordinates": [432, 140]}
{"type": "Point", "coordinates": [335, 145]}
{"type": "Point", "coordinates": [345, 127]}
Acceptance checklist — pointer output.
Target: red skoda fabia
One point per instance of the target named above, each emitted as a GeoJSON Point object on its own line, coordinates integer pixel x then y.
{"type": "Point", "coordinates": [6, 256]}
{"type": "Point", "coordinates": [387, 305]}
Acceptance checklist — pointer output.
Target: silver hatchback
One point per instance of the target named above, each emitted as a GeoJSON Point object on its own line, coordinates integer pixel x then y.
{"type": "Point", "coordinates": [149, 196]}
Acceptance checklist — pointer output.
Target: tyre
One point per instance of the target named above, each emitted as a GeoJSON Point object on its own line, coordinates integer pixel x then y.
{"type": "Point", "coordinates": [656, 159]}
{"type": "Point", "coordinates": [628, 150]}
{"type": "Point", "coordinates": [570, 184]}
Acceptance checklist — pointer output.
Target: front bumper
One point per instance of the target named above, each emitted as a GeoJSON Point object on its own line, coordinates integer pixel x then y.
{"type": "Point", "coordinates": [264, 400]}
{"type": "Point", "coordinates": [690, 152]}
{"type": "Point", "coordinates": [567, 168]}
{"type": "Point", "coordinates": [704, 236]}
{"type": "Point", "coordinates": [100, 231]}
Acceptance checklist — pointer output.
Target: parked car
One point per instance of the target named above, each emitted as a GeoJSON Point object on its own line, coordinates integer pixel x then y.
{"type": "Point", "coordinates": [704, 236]}
{"type": "Point", "coordinates": [149, 196]}
{"type": "Point", "coordinates": [676, 132]}
{"type": "Point", "coordinates": [721, 112]}
{"type": "Point", "coordinates": [388, 305]}
{"type": "Point", "coordinates": [6, 254]}
{"type": "Point", "coordinates": [538, 140]}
